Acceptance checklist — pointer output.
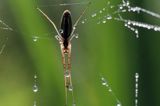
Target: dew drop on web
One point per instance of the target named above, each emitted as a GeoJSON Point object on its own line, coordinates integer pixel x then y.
{"type": "Point", "coordinates": [118, 104]}
{"type": "Point", "coordinates": [35, 88]}
{"type": "Point", "coordinates": [94, 15]}
{"type": "Point", "coordinates": [70, 88]}
{"type": "Point", "coordinates": [67, 74]}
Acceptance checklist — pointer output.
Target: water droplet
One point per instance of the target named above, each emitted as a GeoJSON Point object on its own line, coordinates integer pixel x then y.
{"type": "Point", "coordinates": [109, 17]}
{"type": "Point", "coordinates": [136, 75]}
{"type": "Point", "coordinates": [136, 85]}
{"type": "Point", "coordinates": [104, 82]}
{"type": "Point", "coordinates": [111, 6]}
{"type": "Point", "coordinates": [61, 31]}
{"type": "Point", "coordinates": [57, 37]}
{"type": "Point", "coordinates": [157, 28]}
{"type": "Point", "coordinates": [70, 88]}
{"type": "Point", "coordinates": [73, 104]}
{"type": "Point", "coordinates": [76, 36]}
{"type": "Point", "coordinates": [67, 74]}
{"type": "Point", "coordinates": [137, 36]}
{"type": "Point", "coordinates": [121, 7]}
{"type": "Point", "coordinates": [136, 101]}
{"type": "Point", "coordinates": [129, 23]}
{"type": "Point", "coordinates": [94, 15]}
{"type": "Point", "coordinates": [128, 3]}
{"type": "Point", "coordinates": [35, 38]}
{"type": "Point", "coordinates": [35, 103]}
{"type": "Point", "coordinates": [104, 21]}
{"type": "Point", "coordinates": [35, 76]}
{"type": "Point", "coordinates": [35, 88]}
{"type": "Point", "coordinates": [110, 90]}
{"type": "Point", "coordinates": [108, 3]}
{"type": "Point", "coordinates": [82, 22]}
{"type": "Point", "coordinates": [100, 11]}
{"type": "Point", "coordinates": [126, 25]}
{"type": "Point", "coordinates": [124, 11]}
{"type": "Point", "coordinates": [118, 104]}
{"type": "Point", "coordinates": [137, 33]}
{"type": "Point", "coordinates": [74, 28]}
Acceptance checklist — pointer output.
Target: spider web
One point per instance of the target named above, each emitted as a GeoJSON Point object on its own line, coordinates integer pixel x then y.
{"type": "Point", "coordinates": [116, 13]}
{"type": "Point", "coordinates": [4, 39]}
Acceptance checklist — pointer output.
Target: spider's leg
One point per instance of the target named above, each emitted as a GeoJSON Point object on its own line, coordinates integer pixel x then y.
{"type": "Point", "coordinates": [77, 21]}
{"type": "Point", "coordinates": [50, 21]}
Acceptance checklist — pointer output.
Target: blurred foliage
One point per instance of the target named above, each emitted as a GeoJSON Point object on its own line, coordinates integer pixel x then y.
{"type": "Point", "coordinates": [106, 49]}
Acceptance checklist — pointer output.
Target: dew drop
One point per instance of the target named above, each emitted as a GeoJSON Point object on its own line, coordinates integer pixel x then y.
{"type": "Point", "coordinates": [136, 75]}
{"type": "Point", "coordinates": [70, 88]}
{"type": "Point", "coordinates": [76, 36]}
{"type": "Point", "coordinates": [111, 6]}
{"type": "Point", "coordinates": [104, 82]}
{"type": "Point", "coordinates": [121, 7]}
{"type": "Point", "coordinates": [136, 101]}
{"type": "Point", "coordinates": [137, 33]}
{"type": "Point", "coordinates": [136, 85]}
{"type": "Point", "coordinates": [157, 28]}
{"type": "Point", "coordinates": [35, 38]}
{"type": "Point", "coordinates": [35, 103]}
{"type": "Point", "coordinates": [108, 3]}
{"type": "Point", "coordinates": [126, 25]}
{"type": "Point", "coordinates": [129, 23]}
{"type": "Point", "coordinates": [82, 22]}
{"type": "Point", "coordinates": [104, 9]}
{"type": "Point", "coordinates": [61, 31]}
{"type": "Point", "coordinates": [94, 15]}
{"type": "Point", "coordinates": [109, 17]}
{"type": "Point", "coordinates": [118, 104]}
{"type": "Point", "coordinates": [57, 37]}
{"type": "Point", "coordinates": [35, 76]}
{"type": "Point", "coordinates": [127, 3]}
{"type": "Point", "coordinates": [100, 11]}
{"type": "Point", "coordinates": [123, 11]}
{"type": "Point", "coordinates": [74, 28]}
{"type": "Point", "coordinates": [73, 104]}
{"type": "Point", "coordinates": [67, 74]}
{"type": "Point", "coordinates": [35, 88]}
{"type": "Point", "coordinates": [110, 90]}
{"type": "Point", "coordinates": [104, 21]}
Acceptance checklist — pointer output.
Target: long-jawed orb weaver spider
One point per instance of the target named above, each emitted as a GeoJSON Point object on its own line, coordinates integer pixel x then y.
{"type": "Point", "coordinates": [65, 36]}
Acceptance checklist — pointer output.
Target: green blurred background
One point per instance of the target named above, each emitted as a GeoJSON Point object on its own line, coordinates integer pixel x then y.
{"type": "Point", "coordinates": [108, 49]}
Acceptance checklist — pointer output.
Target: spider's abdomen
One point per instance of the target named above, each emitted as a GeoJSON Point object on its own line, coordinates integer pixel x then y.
{"type": "Point", "coordinates": [66, 27]}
